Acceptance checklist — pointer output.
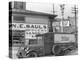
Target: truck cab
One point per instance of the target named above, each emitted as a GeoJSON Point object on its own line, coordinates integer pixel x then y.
{"type": "Point", "coordinates": [33, 48]}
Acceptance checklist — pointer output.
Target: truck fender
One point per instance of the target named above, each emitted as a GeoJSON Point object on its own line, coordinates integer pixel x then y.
{"type": "Point", "coordinates": [32, 52]}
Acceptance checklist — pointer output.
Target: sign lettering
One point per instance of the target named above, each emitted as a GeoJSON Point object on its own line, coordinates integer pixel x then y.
{"type": "Point", "coordinates": [30, 29]}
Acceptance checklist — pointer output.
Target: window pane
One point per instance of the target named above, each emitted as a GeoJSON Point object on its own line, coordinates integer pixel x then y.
{"type": "Point", "coordinates": [18, 37]}
{"type": "Point", "coordinates": [19, 18]}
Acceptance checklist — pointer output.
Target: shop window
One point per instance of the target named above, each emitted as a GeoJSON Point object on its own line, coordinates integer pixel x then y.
{"type": "Point", "coordinates": [40, 41]}
{"type": "Point", "coordinates": [19, 18]}
{"type": "Point", "coordinates": [19, 5]}
{"type": "Point", "coordinates": [18, 36]}
{"type": "Point", "coordinates": [18, 33]}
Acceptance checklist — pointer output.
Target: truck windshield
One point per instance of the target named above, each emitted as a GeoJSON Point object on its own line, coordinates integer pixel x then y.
{"type": "Point", "coordinates": [37, 41]}
{"type": "Point", "coordinates": [32, 41]}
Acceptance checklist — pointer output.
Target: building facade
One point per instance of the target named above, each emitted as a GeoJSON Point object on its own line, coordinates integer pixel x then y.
{"type": "Point", "coordinates": [24, 25]}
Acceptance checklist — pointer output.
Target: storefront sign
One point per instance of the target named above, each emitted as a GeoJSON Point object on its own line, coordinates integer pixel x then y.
{"type": "Point", "coordinates": [64, 23]}
{"type": "Point", "coordinates": [69, 29]}
{"type": "Point", "coordinates": [61, 23]}
{"type": "Point", "coordinates": [30, 29]}
{"type": "Point", "coordinates": [56, 24]}
{"type": "Point", "coordinates": [23, 26]}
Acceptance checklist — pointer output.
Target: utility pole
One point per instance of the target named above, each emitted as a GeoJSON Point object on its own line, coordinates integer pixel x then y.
{"type": "Point", "coordinates": [62, 12]}
{"type": "Point", "coordinates": [53, 9]}
{"type": "Point", "coordinates": [52, 18]}
{"type": "Point", "coordinates": [75, 11]}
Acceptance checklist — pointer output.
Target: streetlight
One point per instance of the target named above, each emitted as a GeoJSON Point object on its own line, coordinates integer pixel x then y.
{"type": "Point", "coordinates": [62, 11]}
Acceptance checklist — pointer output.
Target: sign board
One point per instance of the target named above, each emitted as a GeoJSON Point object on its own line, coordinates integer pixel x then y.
{"type": "Point", "coordinates": [30, 29]}
{"type": "Point", "coordinates": [69, 29]}
{"type": "Point", "coordinates": [64, 23]}
{"type": "Point", "coordinates": [56, 24]}
{"type": "Point", "coordinates": [61, 23]}
{"type": "Point", "coordinates": [64, 38]}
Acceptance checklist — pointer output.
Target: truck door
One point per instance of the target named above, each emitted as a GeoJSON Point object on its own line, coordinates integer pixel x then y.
{"type": "Point", "coordinates": [48, 43]}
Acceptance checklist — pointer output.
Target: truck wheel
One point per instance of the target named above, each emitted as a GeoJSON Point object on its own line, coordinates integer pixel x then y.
{"type": "Point", "coordinates": [32, 54]}
{"type": "Point", "coordinates": [56, 50]}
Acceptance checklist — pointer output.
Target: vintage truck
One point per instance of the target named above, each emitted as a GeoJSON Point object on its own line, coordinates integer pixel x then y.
{"type": "Point", "coordinates": [49, 44]}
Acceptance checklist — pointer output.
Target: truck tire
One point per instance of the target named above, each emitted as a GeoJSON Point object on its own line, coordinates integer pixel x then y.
{"type": "Point", "coordinates": [32, 54]}
{"type": "Point", "coordinates": [56, 50]}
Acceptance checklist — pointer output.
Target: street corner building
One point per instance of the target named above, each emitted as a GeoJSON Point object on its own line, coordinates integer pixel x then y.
{"type": "Point", "coordinates": [35, 34]}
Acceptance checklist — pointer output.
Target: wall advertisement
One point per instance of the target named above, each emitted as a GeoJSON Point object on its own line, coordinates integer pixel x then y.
{"type": "Point", "coordinates": [30, 29]}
